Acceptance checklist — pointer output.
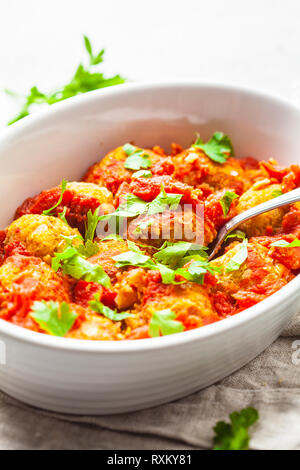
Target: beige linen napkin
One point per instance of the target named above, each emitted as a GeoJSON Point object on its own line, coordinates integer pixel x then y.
{"type": "Point", "coordinates": [271, 383]}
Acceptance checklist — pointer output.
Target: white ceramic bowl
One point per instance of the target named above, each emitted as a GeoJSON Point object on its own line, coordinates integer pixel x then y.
{"type": "Point", "coordinates": [76, 376]}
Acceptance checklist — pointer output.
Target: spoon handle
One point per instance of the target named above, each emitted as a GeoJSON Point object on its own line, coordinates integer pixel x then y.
{"type": "Point", "coordinates": [283, 200]}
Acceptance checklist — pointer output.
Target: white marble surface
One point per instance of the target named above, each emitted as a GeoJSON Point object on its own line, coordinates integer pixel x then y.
{"type": "Point", "coordinates": [255, 43]}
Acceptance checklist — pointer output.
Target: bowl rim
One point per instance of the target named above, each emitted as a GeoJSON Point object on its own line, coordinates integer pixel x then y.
{"type": "Point", "coordinates": [177, 339]}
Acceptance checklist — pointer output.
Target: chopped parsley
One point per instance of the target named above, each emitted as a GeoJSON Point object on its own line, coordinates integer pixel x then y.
{"type": "Point", "coordinates": [78, 267]}
{"type": "Point", "coordinates": [196, 271]}
{"type": "Point", "coordinates": [172, 254]}
{"type": "Point", "coordinates": [238, 259]}
{"type": "Point", "coordinates": [53, 317]}
{"type": "Point", "coordinates": [164, 201]}
{"type": "Point", "coordinates": [226, 201]}
{"type": "Point", "coordinates": [142, 174]}
{"type": "Point", "coordinates": [63, 187]}
{"type": "Point", "coordinates": [218, 148]}
{"type": "Point", "coordinates": [236, 234]}
{"type": "Point", "coordinates": [91, 224]}
{"type": "Point", "coordinates": [84, 79]}
{"type": "Point", "coordinates": [113, 315]}
{"type": "Point", "coordinates": [276, 193]}
{"type": "Point", "coordinates": [163, 323]}
{"type": "Point", "coordinates": [285, 244]}
{"type": "Point", "coordinates": [134, 206]}
{"type": "Point", "coordinates": [235, 435]}
{"type": "Point", "coordinates": [62, 215]}
{"type": "Point", "coordinates": [136, 159]}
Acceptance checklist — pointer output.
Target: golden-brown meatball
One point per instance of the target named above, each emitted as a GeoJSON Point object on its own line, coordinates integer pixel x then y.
{"type": "Point", "coordinates": [108, 249]}
{"type": "Point", "coordinates": [189, 301]}
{"type": "Point", "coordinates": [97, 328]}
{"type": "Point", "coordinates": [77, 200]}
{"type": "Point", "coordinates": [24, 279]}
{"type": "Point", "coordinates": [257, 277]}
{"type": "Point", "coordinates": [181, 225]}
{"type": "Point", "coordinates": [193, 167]}
{"type": "Point", "coordinates": [41, 234]}
{"type": "Point", "coordinates": [111, 172]}
{"type": "Point", "coordinates": [260, 192]}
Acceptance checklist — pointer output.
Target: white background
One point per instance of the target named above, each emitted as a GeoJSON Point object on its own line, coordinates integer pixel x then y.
{"type": "Point", "coordinates": [254, 43]}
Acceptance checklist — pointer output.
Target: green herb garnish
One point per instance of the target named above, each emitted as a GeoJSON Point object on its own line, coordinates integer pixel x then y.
{"type": "Point", "coordinates": [285, 244]}
{"type": "Point", "coordinates": [226, 201]}
{"type": "Point", "coordinates": [276, 193]}
{"type": "Point", "coordinates": [63, 187]}
{"type": "Point", "coordinates": [172, 253]}
{"type": "Point", "coordinates": [238, 259]}
{"type": "Point", "coordinates": [235, 435]}
{"type": "Point", "coordinates": [136, 159]}
{"type": "Point", "coordinates": [76, 266]}
{"type": "Point", "coordinates": [91, 224]}
{"type": "Point", "coordinates": [84, 80]}
{"type": "Point", "coordinates": [196, 271]}
{"type": "Point", "coordinates": [134, 206]}
{"type": "Point", "coordinates": [113, 315]}
{"type": "Point", "coordinates": [162, 322]}
{"type": "Point", "coordinates": [62, 215]}
{"type": "Point", "coordinates": [218, 148]}
{"type": "Point", "coordinates": [236, 234]}
{"type": "Point", "coordinates": [142, 174]}
{"type": "Point", "coordinates": [55, 318]}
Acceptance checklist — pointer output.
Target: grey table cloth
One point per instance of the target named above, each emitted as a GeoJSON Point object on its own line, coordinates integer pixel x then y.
{"type": "Point", "coordinates": [270, 383]}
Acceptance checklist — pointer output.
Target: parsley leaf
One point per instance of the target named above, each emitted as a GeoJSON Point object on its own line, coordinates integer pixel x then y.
{"type": "Point", "coordinates": [88, 249]}
{"type": "Point", "coordinates": [162, 322]}
{"type": "Point", "coordinates": [226, 201]}
{"type": "Point", "coordinates": [83, 80]}
{"type": "Point", "coordinates": [133, 258]}
{"type": "Point", "coordinates": [134, 206]}
{"type": "Point", "coordinates": [91, 225]}
{"type": "Point", "coordinates": [234, 435]}
{"type": "Point", "coordinates": [285, 244]}
{"type": "Point", "coordinates": [172, 254]}
{"type": "Point", "coordinates": [163, 201]}
{"type": "Point", "coordinates": [63, 189]}
{"type": "Point", "coordinates": [238, 259]}
{"type": "Point", "coordinates": [113, 315]}
{"type": "Point", "coordinates": [94, 59]}
{"type": "Point", "coordinates": [218, 148]}
{"type": "Point", "coordinates": [62, 215]}
{"type": "Point", "coordinates": [276, 193]}
{"type": "Point", "coordinates": [142, 174]}
{"type": "Point", "coordinates": [78, 267]}
{"type": "Point", "coordinates": [236, 234]}
{"type": "Point", "coordinates": [55, 318]}
{"type": "Point", "coordinates": [197, 270]}
{"type": "Point", "coordinates": [137, 158]}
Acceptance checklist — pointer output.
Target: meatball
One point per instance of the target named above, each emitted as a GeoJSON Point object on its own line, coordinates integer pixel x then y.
{"type": "Point", "coordinates": [108, 249]}
{"type": "Point", "coordinates": [189, 301]}
{"type": "Point", "coordinates": [193, 167]}
{"type": "Point", "coordinates": [111, 172]}
{"type": "Point", "coordinates": [96, 327]}
{"type": "Point", "coordinates": [258, 276]}
{"type": "Point", "coordinates": [23, 280]}
{"type": "Point", "coordinates": [260, 192]}
{"type": "Point", "coordinates": [41, 234]}
{"type": "Point", "coordinates": [184, 225]}
{"type": "Point", "coordinates": [77, 200]}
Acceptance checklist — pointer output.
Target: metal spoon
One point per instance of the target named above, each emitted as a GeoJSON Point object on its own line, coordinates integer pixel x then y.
{"type": "Point", "coordinates": [283, 200]}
